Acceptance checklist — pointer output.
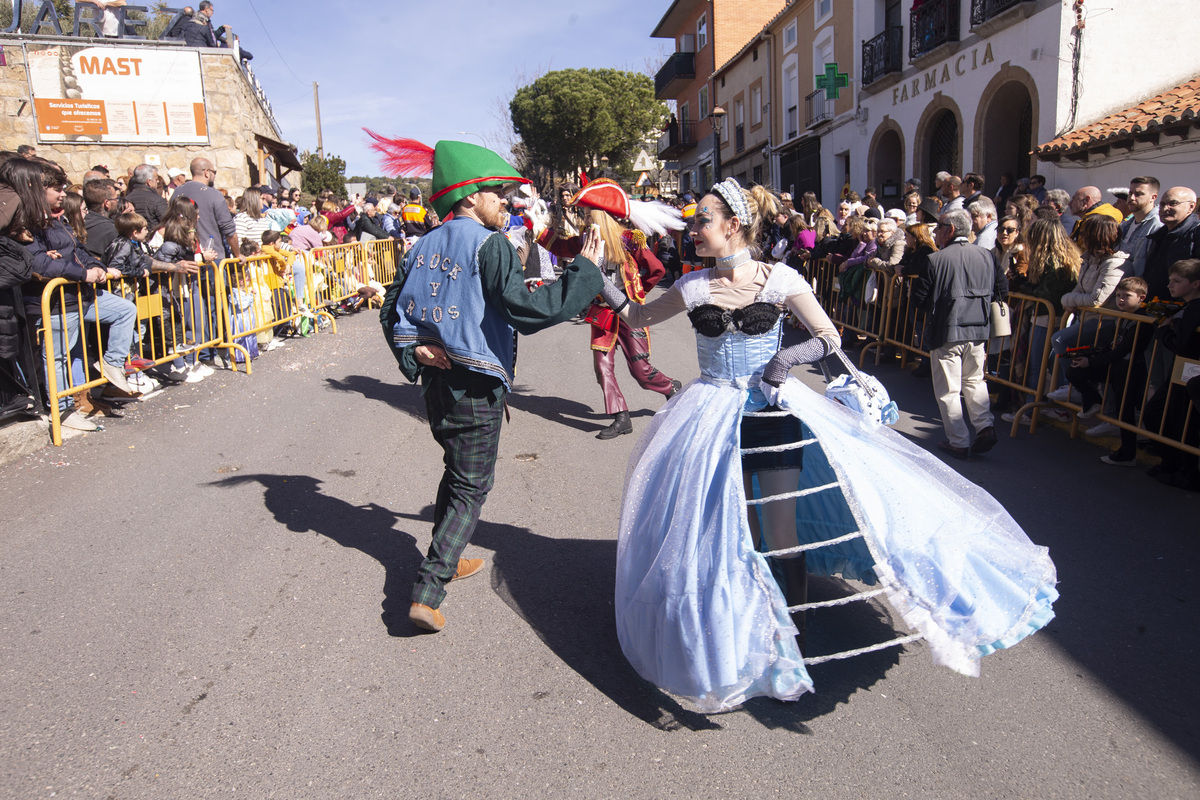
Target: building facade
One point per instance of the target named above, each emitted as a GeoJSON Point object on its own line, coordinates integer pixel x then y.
{"type": "Point", "coordinates": [976, 85]}
{"type": "Point", "coordinates": [706, 34]}
{"type": "Point", "coordinates": [987, 86]}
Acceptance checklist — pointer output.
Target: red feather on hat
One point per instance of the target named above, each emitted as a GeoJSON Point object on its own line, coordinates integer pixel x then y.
{"type": "Point", "coordinates": [402, 156]}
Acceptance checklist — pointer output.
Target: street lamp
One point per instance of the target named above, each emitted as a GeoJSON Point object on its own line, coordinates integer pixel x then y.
{"type": "Point", "coordinates": [717, 114]}
{"type": "Point", "coordinates": [476, 135]}
{"type": "Point", "coordinates": [603, 166]}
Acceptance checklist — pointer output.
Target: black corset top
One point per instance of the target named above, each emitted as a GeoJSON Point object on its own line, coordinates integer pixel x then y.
{"type": "Point", "coordinates": [753, 320]}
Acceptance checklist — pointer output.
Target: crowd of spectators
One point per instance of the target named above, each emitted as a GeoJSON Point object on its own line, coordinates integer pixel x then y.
{"type": "Point", "coordinates": [120, 238]}
{"type": "Point", "coordinates": [1125, 249]}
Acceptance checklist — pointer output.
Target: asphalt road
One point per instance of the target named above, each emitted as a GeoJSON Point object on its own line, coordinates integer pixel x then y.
{"type": "Point", "coordinates": [209, 599]}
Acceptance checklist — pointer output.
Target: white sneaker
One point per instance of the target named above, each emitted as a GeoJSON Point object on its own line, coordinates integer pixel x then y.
{"type": "Point", "coordinates": [193, 376]}
{"type": "Point", "coordinates": [1064, 394]}
{"type": "Point", "coordinates": [202, 369]}
{"type": "Point", "coordinates": [1009, 416]}
{"type": "Point", "coordinates": [1056, 414]}
{"type": "Point", "coordinates": [73, 420]}
{"type": "Point", "coordinates": [143, 383]}
{"type": "Point", "coordinates": [1089, 412]}
{"type": "Point", "coordinates": [1103, 429]}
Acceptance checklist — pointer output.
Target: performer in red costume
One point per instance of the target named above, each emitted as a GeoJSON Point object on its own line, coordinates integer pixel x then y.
{"type": "Point", "coordinates": [632, 265]}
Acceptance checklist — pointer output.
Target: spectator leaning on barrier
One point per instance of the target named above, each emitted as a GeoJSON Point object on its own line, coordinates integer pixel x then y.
{"type": "Point", "coordinates": [144, 195]}
{"type": "Point", "coordinates": [1100, 270]}
{"type": "Point", "coordinates": [56, 254]}
{"type": "Point", "coordinates": [1168, 408]}
{"type": "Point", "coordinates": [1135, 231]}
{"type": "Point", "coordinates": [1120, 364]}
{"type": "Point", "coordinates": [889, 245]}
{"type": "Point", "coordinates": [1174, 241]}
{"type": "Point", "coordinates": [957, 291]}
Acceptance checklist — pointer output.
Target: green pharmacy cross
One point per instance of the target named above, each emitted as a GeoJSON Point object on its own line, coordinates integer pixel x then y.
{"type": "Point", "coordinates": [833, 81]}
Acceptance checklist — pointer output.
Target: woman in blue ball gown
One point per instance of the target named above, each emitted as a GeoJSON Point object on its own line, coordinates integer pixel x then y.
{"type": "Point", "coordinates": [700, 610]}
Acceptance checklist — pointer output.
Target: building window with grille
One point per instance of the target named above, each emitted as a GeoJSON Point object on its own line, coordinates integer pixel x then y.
{"type": "Point", "coordinates": [789, 36]}
{"type": "Point", "coordinates": [757, 172]}
{"type": "Point", "coordinates": [701, 32]}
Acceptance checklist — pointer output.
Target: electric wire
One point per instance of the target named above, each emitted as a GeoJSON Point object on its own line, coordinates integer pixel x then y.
{"type": "Point", "coordinates": [272, 41]}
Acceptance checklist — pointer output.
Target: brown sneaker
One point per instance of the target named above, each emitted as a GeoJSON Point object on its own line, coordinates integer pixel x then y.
{"type": "Point", "coordinates": [467, 567]}
{"type": "Point", "coordinates": [427, 618]}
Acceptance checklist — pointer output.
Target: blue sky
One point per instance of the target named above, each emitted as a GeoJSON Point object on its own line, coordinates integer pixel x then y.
{"type": "Point", "coordinates": [425, 70]}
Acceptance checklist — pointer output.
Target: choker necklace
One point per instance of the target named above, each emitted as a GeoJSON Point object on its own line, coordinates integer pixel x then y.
{"type": "Point", "coordinates": [735, 260]}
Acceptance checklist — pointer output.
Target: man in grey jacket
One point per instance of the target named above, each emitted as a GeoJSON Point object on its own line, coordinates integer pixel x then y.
{"type": "Point", "coordinates": [956, 292]}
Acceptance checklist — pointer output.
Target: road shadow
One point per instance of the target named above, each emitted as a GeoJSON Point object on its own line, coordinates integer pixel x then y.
{"type": "Point", "coordinates": [563, 588]}
{"type": "Point", "coordinates": [566, 412]}
{"type": "Point", "coordinates": [298, 503]}
{"type": "Point", "coordinates": [404, 397]}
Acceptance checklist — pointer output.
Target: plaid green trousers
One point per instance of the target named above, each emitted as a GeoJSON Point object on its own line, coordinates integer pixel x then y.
{"type": "Point", "coordinates": [468, 429]}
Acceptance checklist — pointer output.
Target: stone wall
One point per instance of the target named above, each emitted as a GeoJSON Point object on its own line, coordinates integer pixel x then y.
{"type": "Point", "coordinates": [234, 117]}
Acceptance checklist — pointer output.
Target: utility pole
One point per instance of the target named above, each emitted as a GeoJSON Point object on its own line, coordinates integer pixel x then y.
{"type": "Point", "coordinates": [317, 104]}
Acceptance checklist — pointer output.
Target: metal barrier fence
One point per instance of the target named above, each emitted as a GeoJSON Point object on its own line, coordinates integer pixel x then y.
{"type": "Point", "coordinates": [169, 317]}
{"type": "Point", "coordinates": [1025, 363]}
{"type": "Point", "coordinates": [1125, 388]}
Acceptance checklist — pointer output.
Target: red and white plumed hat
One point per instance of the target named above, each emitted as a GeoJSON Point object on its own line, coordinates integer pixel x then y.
{"type": "Point", "coordinates": [648, 217]}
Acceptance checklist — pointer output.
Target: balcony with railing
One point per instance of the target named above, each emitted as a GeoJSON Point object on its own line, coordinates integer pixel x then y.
{"type": "Point", "coordinates": [677, 139]}
{"type": "Point", "coordinates": [883, 55]}
{"type": "Point", "coordinates": [985, 10]}
{"type": "Point", "coordinates": [680, 68]}
{"type": "Point", "coordinates": [934, 24]}
{"type": "Point", "coordinates": [817, 108]}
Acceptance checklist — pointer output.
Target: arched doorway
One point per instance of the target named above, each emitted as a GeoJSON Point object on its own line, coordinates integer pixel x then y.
{"type": "Point", "coordinates": [1004, 132]}
{"type": "Point", "coordinates": [942, 145]}
{"type": "Point", "coordinates": [886, 164]}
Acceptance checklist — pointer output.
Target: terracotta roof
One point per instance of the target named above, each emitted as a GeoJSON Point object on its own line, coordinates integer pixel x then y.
{"type": "Point", "coordinates": [1173, 107]}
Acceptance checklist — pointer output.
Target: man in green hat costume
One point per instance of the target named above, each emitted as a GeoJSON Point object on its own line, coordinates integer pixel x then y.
{"type": "Point", "coordinates": [450, 322]}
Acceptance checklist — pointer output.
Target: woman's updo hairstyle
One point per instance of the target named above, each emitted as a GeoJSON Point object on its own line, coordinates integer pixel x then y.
{"type": "Point", "coordinates": [760, 203]}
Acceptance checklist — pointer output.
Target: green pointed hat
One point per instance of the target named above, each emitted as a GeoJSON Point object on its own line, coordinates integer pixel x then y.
{"type": "Point", "coordinates": [460, 169]}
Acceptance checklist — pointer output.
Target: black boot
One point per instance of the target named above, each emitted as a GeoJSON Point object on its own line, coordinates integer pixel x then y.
{"type": "Point", "coordinates": [620, 425]}
{"type": "Point", "coordinates": [792, 575]}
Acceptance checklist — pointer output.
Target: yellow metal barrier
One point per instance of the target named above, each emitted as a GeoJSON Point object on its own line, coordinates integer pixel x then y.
{"type": "Point", "coordinates": [866, 313]}
{"type": "Point", "coordinates": [1129, 385]}
{"type": "Point", "coordinates": [176, 314]}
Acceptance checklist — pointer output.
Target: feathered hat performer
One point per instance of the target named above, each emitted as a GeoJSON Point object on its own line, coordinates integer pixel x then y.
{"type": "Point", "coordinates": [458, 168]}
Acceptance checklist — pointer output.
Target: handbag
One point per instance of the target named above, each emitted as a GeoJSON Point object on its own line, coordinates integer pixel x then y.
{"type": "Point", "coordinates": [602, 317]}
{"type": "Point", "coordinates": [1001, 320]}
{"type": "Point", "coordinates": [863, 393]}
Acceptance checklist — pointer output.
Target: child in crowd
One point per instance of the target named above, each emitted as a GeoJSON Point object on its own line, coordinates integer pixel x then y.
{"type": "Point", "coordinates": [278, 270]}
{"type": "Point", "coordinates": [1170, 407]}
{"type": "Point", "coordinates": [1121, 365]}
{"type": "Point", "coordinates": [1167, 409]}
{"type": "Point", "coordinates": [243, 316]}
{"type": "Point", "coordinates": [179, 244]}
{"type": "Point", "coordinates": [127, 253]}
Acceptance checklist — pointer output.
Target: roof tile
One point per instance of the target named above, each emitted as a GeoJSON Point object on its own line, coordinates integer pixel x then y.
{"type": "Point", "coordinates": [1174, 105]}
